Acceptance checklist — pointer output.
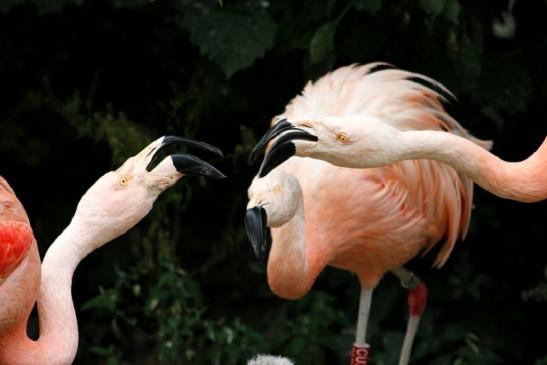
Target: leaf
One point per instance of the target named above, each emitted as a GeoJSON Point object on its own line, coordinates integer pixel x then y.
{"type": "Point", "coordinates": [322, 42]}
{"type": "Point", "coordinates": [232, 37]}
{"type": "Point", "coordinates": [55, 6]}
{"type": "Point", "coordinates": [452, 11]}
{"type": "Point", "coordinates": [433, 7]}
{"type": "Point", "coordinates": [131, 4]}
{"type": "Point", "coordinates": [370, 6]}
{"type": "Point", "coordinates": [44, 6]}
{"type": "Point", "coordinates": [6, 5]}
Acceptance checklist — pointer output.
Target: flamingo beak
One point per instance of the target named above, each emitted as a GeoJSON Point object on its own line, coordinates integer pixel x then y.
{"type": "Point", "coordinates": [283, 148]}
{"type": "Point", "coordinates": [273, 132]}
{"type": "Point", "coordinates": [256, 227]}
{"type": "Point", "coordinates": [185, 163]}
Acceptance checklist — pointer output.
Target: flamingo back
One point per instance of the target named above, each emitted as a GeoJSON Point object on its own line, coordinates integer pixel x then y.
{"type": "Point", "coordinates": [441, 197]}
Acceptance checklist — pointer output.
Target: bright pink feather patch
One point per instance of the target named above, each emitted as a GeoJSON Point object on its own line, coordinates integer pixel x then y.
{"type": "Point", "coordinates": [15, 240]}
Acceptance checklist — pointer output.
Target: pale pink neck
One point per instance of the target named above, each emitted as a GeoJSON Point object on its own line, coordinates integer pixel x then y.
{"type": "Point", "coordinates": [291, 268]}
{"type": "Point", "coordinates": [522, 181]}
{"type": "Point", "coordinates": [58, 340]}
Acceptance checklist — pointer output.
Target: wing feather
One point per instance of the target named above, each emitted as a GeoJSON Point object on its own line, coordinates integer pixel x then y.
{"type": "Point", "coordinates": [406, 100]}
{"type": "Point", "coordinates": [16, 236]}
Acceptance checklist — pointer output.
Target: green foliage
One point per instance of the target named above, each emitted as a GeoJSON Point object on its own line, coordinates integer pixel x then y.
{"type": "Point", "coordinates": [322, 42]}
{"type": "Point", "coordinates": [371, 6]}
{"type": "Point", "coordinates": [433, 7]}
{"type": "Point", "coordinates": [173, 305]}
{"type": "Point", "coordinates": [43, 6]}
{"type": "Point", "coordinates": [308, 337]}
{"type": "Point", "coordinates": [539, 293]}
{"type": "Point", "coordinates": [233, 35]}
{"type": "Point", "coordinates": [86, 84]}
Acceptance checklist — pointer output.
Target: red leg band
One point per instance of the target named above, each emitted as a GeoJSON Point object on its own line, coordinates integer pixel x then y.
{"type": "Point", "coordinates": [417, 299]}
{"type": "Point", "coordinates": [359, 354]}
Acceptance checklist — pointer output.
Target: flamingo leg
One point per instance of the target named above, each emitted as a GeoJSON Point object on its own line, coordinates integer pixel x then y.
{"type": "Point", "coordinates": [417, 298]}
{"type": "Point", "coordinates": [360, 352]}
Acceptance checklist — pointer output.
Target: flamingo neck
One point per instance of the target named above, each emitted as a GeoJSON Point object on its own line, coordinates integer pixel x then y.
{"type": "Point", "coordinates": [522, 181]}
{"type": "Point", "coordinates": [58, 341]}
{"type": "Point", "coordinates": [289, 274]}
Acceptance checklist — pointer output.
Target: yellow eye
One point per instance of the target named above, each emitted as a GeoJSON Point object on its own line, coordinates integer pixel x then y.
{"type": "Point", "coordinates": [277, 189]}
{"type": "Point", "coordinates": [342, 137]}
{"type": "Point", "coordinates": [123, 181]}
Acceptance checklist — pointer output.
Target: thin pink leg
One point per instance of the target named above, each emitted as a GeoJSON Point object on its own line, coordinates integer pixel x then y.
{"type": "Point", "coordinates": [417, 300]}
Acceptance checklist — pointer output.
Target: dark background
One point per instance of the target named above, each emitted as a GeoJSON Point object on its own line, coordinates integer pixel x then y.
{"type": "Point", "coordinates": [85, 84]}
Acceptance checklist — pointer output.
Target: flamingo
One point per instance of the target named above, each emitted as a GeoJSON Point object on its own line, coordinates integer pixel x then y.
{"type": "Point", "coordinates": [374, 138]}
{"type": "Point", "coordinates": [313, 212]}
{"type": "Point", "coordinates": [114, 204]}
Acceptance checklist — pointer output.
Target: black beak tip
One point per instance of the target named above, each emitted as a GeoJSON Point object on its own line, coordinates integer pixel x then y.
{"type": "Point", "coordinates": [219, 175]}
{"type": "Point", "coordinates": [172, 140]}
{"type": "Point", "coordinates": [279, 153]}
{"type": "Point", "coordinates": [279, 127]}
{"type": "Point", "coordinates": [257, 231]}
{"type": "Point", "coordinates": [191, 165]}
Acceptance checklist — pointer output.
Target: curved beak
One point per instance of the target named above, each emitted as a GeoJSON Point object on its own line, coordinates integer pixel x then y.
{"type": "Point", "coordinates": [185, 163]}
{"type": "Point", "coordinates": [258, 232]}
{"type": "Point", "coordinates": [282, 149]}
{"type": "Point", "coordinates": [273, 132]}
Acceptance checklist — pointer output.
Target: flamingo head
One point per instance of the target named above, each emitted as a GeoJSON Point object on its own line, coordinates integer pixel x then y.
{"type": "Point", "coordinates": [273, 201]}
{"type": "Point", "coordinates": [121, 198]}
{"type": "Point", "coordinates": [348, 141]}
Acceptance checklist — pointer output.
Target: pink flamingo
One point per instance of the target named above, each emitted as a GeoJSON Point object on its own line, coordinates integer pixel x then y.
{"type": "Point", "coordinates": [374, 220]}
{"type": "Point", "coordinates": [114, 204]}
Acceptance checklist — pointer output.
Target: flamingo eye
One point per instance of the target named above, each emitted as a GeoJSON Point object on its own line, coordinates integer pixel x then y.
{"type": "Point", "coordinates": [123, 181]}
{"type": "Point", "coordinates": [342, 137]}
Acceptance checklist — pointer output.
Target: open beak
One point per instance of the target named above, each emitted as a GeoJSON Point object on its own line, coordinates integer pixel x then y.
{"type": "Point", "coordinates": [258, 232]}
{"type": "Point", "coordinates": [282, 149]}
{"type": "Point", "coordinates": [273, 132]}
{"type": "Point", "coordinates": [184, 163]}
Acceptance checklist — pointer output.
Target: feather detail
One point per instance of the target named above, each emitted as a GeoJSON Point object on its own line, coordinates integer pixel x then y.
{"type": "Point", "coordinates": [15, 240]}
{"type": "Point", "coordinates": [407, 101]}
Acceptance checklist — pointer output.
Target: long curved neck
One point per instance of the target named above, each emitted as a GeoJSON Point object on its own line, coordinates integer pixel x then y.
{"type": "Point", "coordinates": [58, 339]}
{"type": "Point", "coordinates": [291, 266]}
{"type": "Point", "coordinates": [522, 181]}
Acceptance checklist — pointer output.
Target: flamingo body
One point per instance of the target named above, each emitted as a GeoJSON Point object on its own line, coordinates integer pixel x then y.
{"type": "Point", "coordinates": [369, 221]}
{"type": "Point", "coordinates": [20, 262]}
{"type": "Point", "coordinates": [15, 232]}
{"type": "Point", "coordinates": [366, 221]}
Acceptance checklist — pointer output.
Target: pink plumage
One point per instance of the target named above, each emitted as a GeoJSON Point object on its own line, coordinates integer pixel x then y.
{"type": "Point", "coordinates": [367, 221]}
{"type": "Point", "coordinates": [392, 212]}
{"type": "Point", "coordinates": [15, 240]}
